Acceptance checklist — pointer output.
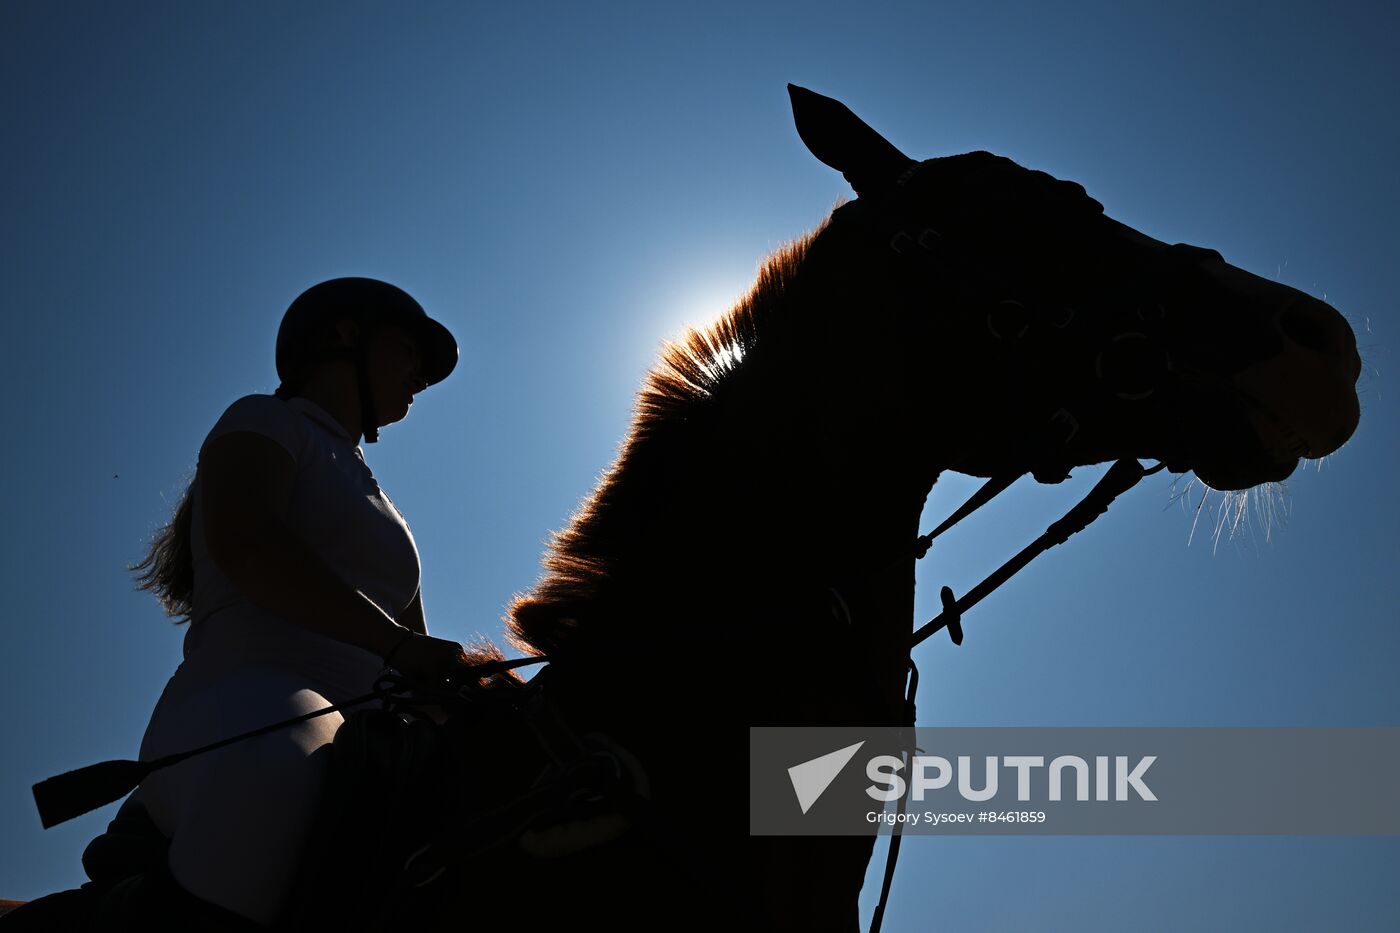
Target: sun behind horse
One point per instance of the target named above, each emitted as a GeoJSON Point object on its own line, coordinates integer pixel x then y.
{"type": "Point", "coordinates": [748, 555]}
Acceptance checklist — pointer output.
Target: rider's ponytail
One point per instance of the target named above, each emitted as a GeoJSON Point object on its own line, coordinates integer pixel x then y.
{"type": "Point", "coordinates": [168, 568]}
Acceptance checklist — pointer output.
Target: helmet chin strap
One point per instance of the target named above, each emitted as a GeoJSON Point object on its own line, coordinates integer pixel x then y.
{"type": "Point", "coordinates": [369, 418]}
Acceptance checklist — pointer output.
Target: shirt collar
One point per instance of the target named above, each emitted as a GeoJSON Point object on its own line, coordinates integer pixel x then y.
{"type": "Point", "coordinates": [322, 417]}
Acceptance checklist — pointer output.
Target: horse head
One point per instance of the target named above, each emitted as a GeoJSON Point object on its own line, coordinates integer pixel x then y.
{"type": "Point", "coordinates": [961, 313]}
{"type": "Point", "coordinates": [1078, 339]}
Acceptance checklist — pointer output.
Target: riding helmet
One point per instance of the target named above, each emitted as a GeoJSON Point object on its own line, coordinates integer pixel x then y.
{"type": "Point", "coordinates": [369, 302]}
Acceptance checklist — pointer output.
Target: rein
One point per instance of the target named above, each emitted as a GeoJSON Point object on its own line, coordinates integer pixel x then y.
{"type": "Point", "coordinates": [1121, 477]}
{"type": "Point", "coordinates": [73, 793]}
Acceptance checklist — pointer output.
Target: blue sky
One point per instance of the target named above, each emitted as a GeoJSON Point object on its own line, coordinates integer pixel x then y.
{"type": "Point", "coordinates": [566, 185]}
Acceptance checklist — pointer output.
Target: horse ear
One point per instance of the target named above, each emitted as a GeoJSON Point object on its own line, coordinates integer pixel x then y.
{"type": "Point", "coordinates": [845, 142]}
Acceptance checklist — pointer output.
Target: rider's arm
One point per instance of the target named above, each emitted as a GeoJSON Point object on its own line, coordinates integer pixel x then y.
{"type": "Point", "coordinates": [246, 484]}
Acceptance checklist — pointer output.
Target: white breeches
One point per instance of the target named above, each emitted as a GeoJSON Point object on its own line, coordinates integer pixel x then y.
{"type": "Point", "coordinates": [238, 818]}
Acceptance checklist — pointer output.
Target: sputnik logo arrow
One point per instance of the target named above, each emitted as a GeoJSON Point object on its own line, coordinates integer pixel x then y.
{"type": "Point", "coordinates": [811, 778]}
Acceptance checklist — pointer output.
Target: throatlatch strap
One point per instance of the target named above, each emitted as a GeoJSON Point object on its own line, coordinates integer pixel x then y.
{"type": "Point", "coordinates": [369, 418]}
{"type": "Point", "coordinates": [896, 834]}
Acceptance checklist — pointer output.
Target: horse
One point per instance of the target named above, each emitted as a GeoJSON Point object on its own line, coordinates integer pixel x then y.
{"type": "Point", "coordinates": [748, 559]}
{"type": "Point", "coordinates": [749, 552]}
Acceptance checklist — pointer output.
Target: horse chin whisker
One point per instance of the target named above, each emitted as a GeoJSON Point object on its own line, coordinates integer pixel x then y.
{"type": "Point", "coordinates": [1264, 507]}
{"type": "Point", "coordinates": [1234, 512]}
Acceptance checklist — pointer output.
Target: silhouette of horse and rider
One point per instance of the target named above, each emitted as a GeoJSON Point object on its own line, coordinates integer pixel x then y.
{"type": "Point", "coordinates": [747, 560]}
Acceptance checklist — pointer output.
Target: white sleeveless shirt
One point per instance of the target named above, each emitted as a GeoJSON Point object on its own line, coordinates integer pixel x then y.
{"type": "Point", "coordinates": [342, 515]}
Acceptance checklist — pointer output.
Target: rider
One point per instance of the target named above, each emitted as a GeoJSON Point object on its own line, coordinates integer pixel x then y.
{"type": "Point", "coordinates": [300, 581]}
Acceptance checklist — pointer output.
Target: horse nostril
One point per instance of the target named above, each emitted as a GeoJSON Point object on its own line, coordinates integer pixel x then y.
{"type": "Point", "coordinates": [1308, 326]}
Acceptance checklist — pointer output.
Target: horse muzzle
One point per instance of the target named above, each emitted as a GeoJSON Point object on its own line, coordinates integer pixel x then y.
{"type": "Point", "coordinates": [1304, 399]}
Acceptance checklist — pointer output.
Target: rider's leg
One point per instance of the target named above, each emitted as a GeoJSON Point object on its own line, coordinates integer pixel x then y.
{"type": "Point", "coordinates": [238, 818]}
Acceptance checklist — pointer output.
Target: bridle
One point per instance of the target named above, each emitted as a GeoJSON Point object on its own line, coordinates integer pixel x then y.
{"type": "Point", "coordinates": [1129, 367]}
{"type": "Point", "coordinates": [922, 256]}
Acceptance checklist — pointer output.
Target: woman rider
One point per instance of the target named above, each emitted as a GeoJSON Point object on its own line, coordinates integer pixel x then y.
{"type": "Point", "coordinates": [300, 581]}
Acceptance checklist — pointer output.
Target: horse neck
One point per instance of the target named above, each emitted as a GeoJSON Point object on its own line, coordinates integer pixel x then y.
{"type": "Point", "coordinates": [790, 540]}
{"type": "Point", "coordinates": [740, 521]}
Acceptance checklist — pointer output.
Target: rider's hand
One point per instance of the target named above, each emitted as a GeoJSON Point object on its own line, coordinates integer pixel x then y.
{"type": "Point", "coordinates": [429, 659]}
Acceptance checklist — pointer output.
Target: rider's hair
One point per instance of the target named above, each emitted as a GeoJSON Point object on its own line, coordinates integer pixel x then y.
{"type": "Point", "coordinates": [167, 570]}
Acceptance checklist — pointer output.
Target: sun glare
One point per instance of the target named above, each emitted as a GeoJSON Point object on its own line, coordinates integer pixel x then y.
{"type": "Point", "coordinates": [699, 307]}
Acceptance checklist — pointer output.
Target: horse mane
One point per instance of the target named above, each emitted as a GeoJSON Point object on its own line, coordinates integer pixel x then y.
{"type": "Point", "coordinates": [578, 562]}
